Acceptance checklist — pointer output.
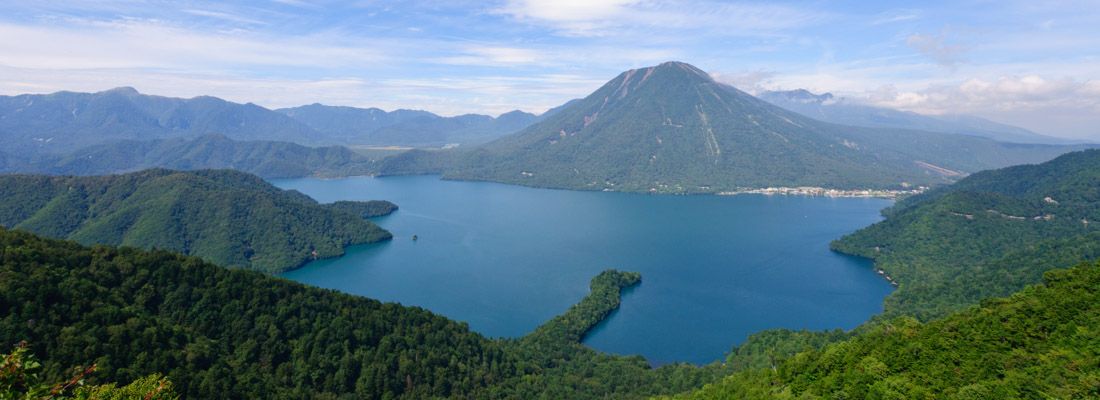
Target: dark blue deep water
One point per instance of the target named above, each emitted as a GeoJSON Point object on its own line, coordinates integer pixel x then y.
{"type": "Point", "coordinates": [506, 258]}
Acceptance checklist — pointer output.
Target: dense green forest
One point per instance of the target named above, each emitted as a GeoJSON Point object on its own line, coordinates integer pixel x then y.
{"type": "Point", "coordinates": [267, 159]}
{"type": "Point", "coordinates": [417, 162]}
{"type": "Point", "coordinates": [988, 235]}
{"type": "Point", "coordinates": [21, 378]}
{"type": "Point", "coordinates": [231, 218]}
{"type": "Point", "coordinates": [215, 332]}
{"type": "Point", "coordinates": [1041, 343]}
{"type": "Point", "coordinates": [363, 209]}
{"type": "Point", "coordinates": [222, 333]}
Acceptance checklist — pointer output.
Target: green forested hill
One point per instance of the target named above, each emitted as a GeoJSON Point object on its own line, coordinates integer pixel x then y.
{"type": "Point", "coordinates": [987, 235]}
{"type": "Point", "coordinates": [672, 128]}
{"type": "Point", "coordinates": [228, 217]}
{"type": "Point", "coordinates": [222, 333]}
{"type": "Point", "coordinates": [264, 158]}
{"type": "Point", "coordinates": [1041, 343]}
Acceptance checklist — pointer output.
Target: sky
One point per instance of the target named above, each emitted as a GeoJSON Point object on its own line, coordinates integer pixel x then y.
{"type": "Point", "coordinates": [1035, 64]}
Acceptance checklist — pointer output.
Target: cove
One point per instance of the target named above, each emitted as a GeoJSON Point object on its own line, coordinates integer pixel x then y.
{"type": "Point", "coordinates": [507, 258]}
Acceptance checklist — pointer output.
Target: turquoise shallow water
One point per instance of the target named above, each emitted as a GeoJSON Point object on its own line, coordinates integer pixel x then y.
{"type": "Point", "coordinates": [506, 258]}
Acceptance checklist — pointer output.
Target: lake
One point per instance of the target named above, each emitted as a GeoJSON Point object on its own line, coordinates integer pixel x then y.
{"type": "Point", "coordinates": [507, 258]}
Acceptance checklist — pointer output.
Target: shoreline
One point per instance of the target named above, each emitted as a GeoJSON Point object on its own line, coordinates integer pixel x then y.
{"type": "Point", "coordinates": [814, 191]}
{"type": "Point", "coordinates": [807, 191]}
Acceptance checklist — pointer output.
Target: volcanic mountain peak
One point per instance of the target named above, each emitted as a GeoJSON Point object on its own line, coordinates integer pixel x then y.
{"type": "Point", "coordinates": [671, 127]}
{"type": "Point", "coordinates": [629, 81]}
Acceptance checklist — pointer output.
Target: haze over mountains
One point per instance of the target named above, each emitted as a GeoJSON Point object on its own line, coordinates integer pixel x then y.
{"type": "Point", "coordinates": [65, 121]}
{"type": "Point", "coordinates": [826, 107]}
{"type": "Point", "coordinates": [373, 126]}
{"type": "Point", "coordinates": [672, 128]}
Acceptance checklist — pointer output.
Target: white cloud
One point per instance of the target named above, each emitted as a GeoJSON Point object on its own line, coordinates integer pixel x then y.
{"type": "Point", "coordinates": [614, 17]}
{"type": "Point", "coordinates": [443, 95]}
{"type": "Point", "coordinates": [224, 16]}
{"type": "Point", "coordinates": [749, 81]}
{"type": "Point", "coordinates": [1055, 106]}
{"type": "Point", "coordinates": [578, 17]}
{"type": "Point", "coordinates": [153, 44]}
{"type": "Point", "coordinates": [1006, 93]}
{"type": "Point", "coordinates": [896, 16]}
{"type": "Point", "coordinates": [493, 56]}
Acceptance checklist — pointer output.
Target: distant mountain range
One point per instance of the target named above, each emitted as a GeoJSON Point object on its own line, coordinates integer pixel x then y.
{"type": "Point", "coordinates": [668, 129]}
{"type": "Point", "coordinates": [372, 126]}
{"type": "Point", "coordinates": [672, 128]}
{"type": "Point", "coordinates": [826, 107]}
{"type": "Point", "coordinates": [66, 121]}
{"type": "Point", "coordinates": [232, 218]}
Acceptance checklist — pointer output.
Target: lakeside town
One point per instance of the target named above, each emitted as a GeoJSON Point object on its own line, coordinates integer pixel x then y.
{"type": "Point", "coordinates": [824, 192]}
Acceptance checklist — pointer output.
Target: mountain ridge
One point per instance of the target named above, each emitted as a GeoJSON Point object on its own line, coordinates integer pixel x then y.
{"type": "Point", "coordinates": [268, 159]}
{"type": "Point", "coordinates": [829, 108]}
{"type": "Point", "coordinates": [374, 126]}
{"type": "Point", "coordinates": [66, 121]}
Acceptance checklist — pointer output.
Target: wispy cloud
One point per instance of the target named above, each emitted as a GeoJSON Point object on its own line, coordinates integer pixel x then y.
{"type": "Point", "coordinates": [893, 16]}
{"type": "Point", "coordinates": [1003, 94]}
{"type": "Point", "coordinates": [154, 44]}
{"type": "Point", "coordinates": [493, 56]}
{"type": "Point", "coordinates": [937, 48]}
{"type": "Point", "coordinates": [754, 82]}
{"type": "Point", "coordinates": [224, 16]}
{"type": "Point", "coordinates": [615, 17]}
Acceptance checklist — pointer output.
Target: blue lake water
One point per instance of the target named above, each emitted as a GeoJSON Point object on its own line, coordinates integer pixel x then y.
{"type": "Point", "coordinates": [507, 258]}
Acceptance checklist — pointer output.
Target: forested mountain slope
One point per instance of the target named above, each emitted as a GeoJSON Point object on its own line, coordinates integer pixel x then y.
{"type": "Point", "coordinates": [953, 249]}
{"type": "Point", "coordinates": [264, 158]}
{"type": "Point", "coordinates": [1043, 342]}
{"type": "Point", "coordinates": [987, 235]}
{"type": "Point", "coordinates": [229, 217]}
{"type": "Point", "coordinates": [222, 333]}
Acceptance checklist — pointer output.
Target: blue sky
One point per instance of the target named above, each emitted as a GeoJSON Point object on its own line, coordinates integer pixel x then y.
{"type": "Point", "coordinates": [1034, 64]}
